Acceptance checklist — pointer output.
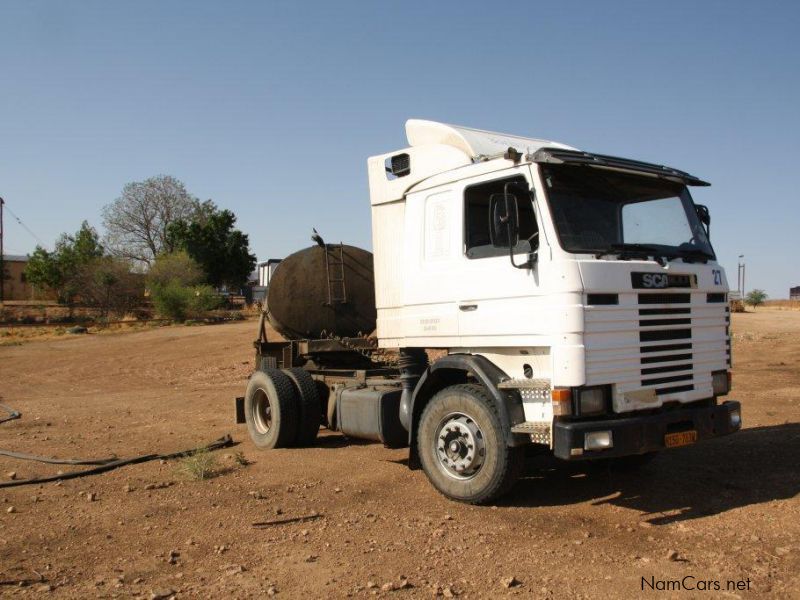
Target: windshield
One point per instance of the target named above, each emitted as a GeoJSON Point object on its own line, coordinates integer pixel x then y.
{"type": "Point", "coordinates": [598, 211]}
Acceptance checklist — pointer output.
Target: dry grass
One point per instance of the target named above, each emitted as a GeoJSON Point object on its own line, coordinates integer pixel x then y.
{"type": "Point", "coordinates": [240, 459]}
{"type": "Point", "coordinates": [783, 304]}
{"type": "Point", "coordinates": [200, 464]}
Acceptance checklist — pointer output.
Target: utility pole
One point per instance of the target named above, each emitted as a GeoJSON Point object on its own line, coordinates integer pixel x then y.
{"type": "Point", "coordinates": [2, 257]}
{"type": "Point", "coordinates": [740, 275]}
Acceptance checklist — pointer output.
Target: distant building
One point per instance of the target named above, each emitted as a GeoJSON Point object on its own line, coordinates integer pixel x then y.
{"type": "Point", "coordinates": [794, 293]}
{"type": "Point", "coordinates": [266, 269]}
{"type": "Point", "coordinates": [15, 286]}
{"type": "Point", "coordinates": [259, 281]}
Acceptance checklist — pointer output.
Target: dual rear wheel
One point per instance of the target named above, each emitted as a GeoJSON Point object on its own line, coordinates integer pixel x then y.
{"type": "Point", "coordinates": [282, 408]}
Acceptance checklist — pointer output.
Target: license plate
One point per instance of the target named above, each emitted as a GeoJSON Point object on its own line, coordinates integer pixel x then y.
{"type": "Point", "coordinates": [680, 438]}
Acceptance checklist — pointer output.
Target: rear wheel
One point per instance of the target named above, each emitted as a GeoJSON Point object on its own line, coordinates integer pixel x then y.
{"type": "Point", "coordinates": [271, 409]}
{"type": "Point", "coordinates": [462, 448]}
{"type": "Point", "coordinates": [310, 415]}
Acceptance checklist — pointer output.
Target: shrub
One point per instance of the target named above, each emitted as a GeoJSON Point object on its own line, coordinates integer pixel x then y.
{"type": "Point", "coordinates": [174, 267]}
{"type": "Point", "coordinates": [172, 300]}
{"type": "Point", "coordinates": [204, 298]}
{"type": "Point", "coordinates": [198, 465]}
{"type": "Point", "coordinates": [178, 302]}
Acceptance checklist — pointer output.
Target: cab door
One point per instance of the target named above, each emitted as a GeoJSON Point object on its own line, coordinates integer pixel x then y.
{"type": "Point", "coordinates": [496, 300]}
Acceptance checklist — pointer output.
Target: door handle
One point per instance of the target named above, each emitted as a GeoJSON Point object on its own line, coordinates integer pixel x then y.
{"type": "Point", "coordinates": [468, 307]}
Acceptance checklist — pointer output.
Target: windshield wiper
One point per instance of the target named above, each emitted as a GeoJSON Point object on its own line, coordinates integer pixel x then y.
{"type": "Point", "coordinates": [627, 251]}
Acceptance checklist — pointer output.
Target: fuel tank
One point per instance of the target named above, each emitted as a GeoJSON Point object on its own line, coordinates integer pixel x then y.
{"type": "Point", "coordinates": [323, 292]}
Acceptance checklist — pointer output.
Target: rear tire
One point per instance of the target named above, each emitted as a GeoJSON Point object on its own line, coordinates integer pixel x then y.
{"type": "Point", "coordinates": [310, 416]}
{"type": "Point", "coordinates": [271, 409]}
{"type": "Point", "coordinates": [462, 447]}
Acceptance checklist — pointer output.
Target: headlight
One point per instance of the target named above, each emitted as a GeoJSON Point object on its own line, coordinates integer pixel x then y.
{"type": "Point", "coordinates": [736, 418]}
{"type": "Point", "coordinates": [592, 401]}
{"type": "Point", "coordinates": [721, 382]}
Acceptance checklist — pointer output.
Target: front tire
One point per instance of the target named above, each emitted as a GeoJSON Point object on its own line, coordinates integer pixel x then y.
{"type": "Point", "coordinates": [462, 447]}
{"type": "Point", "coordinates": [271, 409]}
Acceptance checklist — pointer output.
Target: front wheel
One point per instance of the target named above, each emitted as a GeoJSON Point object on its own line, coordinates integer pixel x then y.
{"type": "Point", "coordinates": [462, 448]}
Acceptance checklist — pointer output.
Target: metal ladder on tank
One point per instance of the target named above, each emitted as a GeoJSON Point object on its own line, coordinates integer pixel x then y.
{"type": "Point", "coordinates": [334, 268]}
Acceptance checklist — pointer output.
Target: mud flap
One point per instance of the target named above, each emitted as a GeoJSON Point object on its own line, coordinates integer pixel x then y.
{"type": "Point", "coordinates": [240, 410]}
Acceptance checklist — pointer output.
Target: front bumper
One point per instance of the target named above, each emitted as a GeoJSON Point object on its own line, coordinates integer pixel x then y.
{"type": "Point", "coordinates": [637, 435]}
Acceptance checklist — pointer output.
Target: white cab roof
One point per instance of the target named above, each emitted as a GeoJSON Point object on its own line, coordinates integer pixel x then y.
{"type": "Point", "coordinates": [474, 143]}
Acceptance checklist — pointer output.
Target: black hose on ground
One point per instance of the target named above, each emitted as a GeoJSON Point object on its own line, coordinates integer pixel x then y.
{"type": "Point", "coordinates": [12, 414]}
{"type": "Point", "coordinates": [222, 442]}
{"type": "Point", "coordinates": [58, 461]}
{"type": "Point", "coordinates": [102, 465]}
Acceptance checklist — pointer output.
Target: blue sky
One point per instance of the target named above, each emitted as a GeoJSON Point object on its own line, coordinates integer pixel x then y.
{"type": "Point", "coordinates": [271, 108]}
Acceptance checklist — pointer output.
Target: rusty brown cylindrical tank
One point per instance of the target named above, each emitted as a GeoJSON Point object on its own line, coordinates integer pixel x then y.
{"type": "Point", "coordinates": [323, 291]}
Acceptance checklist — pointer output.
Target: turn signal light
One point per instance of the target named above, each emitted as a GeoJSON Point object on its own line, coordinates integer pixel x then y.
{"type": "Point", "coordinates": [562, 401]}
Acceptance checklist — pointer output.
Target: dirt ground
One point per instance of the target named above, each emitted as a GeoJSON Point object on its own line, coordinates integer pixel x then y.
{"type": "Point", "coordinates": [725, 510]}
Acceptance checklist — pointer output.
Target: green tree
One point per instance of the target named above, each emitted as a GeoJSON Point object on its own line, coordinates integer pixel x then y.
{"type": "Point", "coordinates": [221, 250]}
{"type": "Point", "coordinates": [756, 298]}
{"type": "Point", "coordinates": [62, 269]}
{"type": "Point", "coordinates": [43, 270]}
{"type": "Point", "coordinates": [175, 266]}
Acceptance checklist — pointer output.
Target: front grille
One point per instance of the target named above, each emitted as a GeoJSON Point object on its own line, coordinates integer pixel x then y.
{"type": "Point", "coordinates": [661, 340]}
{"type": "Point", "coordinates": [666, 324]}
{"type": "Point", "coordinates": [657, 322]}
{"type": "Point", "coordinates": [664, 369]}
{"type": "Point", "coordinates": [661, 335]}
{"type": "Point", "coordinates": [667, 347]}
{"type": "Point", "coordinates": [664, 298]}
{"type": "Point", "coordinates": [664, 311]}
{"type": "Point", "coordinates": [646, 360]}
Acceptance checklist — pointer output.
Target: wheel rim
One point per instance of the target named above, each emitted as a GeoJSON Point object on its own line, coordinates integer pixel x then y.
{"type": "Point", "coordinates": [459, 446]}
{"type": "Point", "coordinates": [262, 412]}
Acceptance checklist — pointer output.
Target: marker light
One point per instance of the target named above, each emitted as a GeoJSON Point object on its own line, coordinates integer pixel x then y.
{"type": "Point", "coordinates": [562, 401]}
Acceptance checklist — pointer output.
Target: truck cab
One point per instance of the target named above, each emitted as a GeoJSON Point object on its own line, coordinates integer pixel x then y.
{"type": "Point", "coordinates": [585, 284]}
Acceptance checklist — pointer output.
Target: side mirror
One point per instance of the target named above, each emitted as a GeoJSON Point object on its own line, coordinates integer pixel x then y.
{"type": "Point", "coordinates": [704, 216]}
{"type": "Point", "coordinates": [504, 219]}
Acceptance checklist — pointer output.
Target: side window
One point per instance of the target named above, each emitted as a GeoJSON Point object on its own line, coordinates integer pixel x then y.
{"type": "Point", "coordinates": [477, 220]}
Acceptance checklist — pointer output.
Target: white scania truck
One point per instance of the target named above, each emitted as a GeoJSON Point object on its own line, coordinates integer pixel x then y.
{"type": "Point", "coordinates": [525, 292]}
